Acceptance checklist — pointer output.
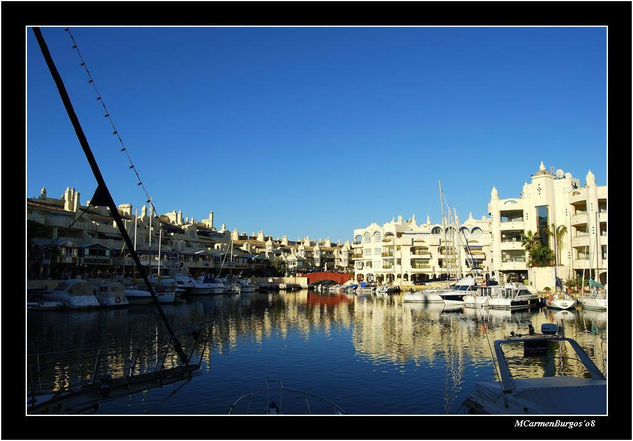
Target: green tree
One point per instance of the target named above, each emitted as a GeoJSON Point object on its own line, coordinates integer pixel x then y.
{"type": "Point", "coordinates": [557, 234]}
{"type": "Point", "coordinates": [279, 267]}
{"type": "Point", "coordinates": [539, 255]}
{"type": "Point", "coordinates": [529, 240]}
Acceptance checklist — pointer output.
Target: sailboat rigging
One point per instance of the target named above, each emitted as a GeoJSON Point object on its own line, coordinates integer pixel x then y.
{"type": "Point", "coordinates": [102, 195]}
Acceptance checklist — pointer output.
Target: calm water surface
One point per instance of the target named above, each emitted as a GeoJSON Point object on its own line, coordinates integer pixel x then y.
{"type": "Point", "coordinates": [368, 354]}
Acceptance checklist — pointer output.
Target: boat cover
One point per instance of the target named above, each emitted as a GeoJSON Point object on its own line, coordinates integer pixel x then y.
{"type": "Point", "coordinates": [546, 396]}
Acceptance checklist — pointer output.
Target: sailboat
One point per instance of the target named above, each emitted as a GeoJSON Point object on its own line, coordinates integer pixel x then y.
{"type": "Point", "coordinates": [560, 299]}
{"type": "Point", "coordinates": [430, 295]}
{"type": "Point", "coordinates": [164, 287]}
{"type": "Point", "coordinates": [596, 298]}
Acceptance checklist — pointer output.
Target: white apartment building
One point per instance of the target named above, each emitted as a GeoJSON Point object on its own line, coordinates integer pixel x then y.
{"type": "Point", "coordinates": [551, 198]}
{"type": "Point", "coordinates": [405, 253]}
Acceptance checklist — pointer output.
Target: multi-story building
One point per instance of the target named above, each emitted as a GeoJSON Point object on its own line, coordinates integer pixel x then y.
{"type": "Point", "coordinates": [87, 240]}
{"type": "Point", "coordinates": [552, 199]}
{"type": "Point", "coordinates": [405, 253]}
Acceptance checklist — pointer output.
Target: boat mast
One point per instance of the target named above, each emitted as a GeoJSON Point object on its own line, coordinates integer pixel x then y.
{"type": "Point", "coordinates": [102, 194]}
{"type": "Point", "coordinates": [160, 238]}
{"type": "Point", "coordinates": [149, 249]}
{"type": "Point", "coordinates": [444, 230]}
{"type": "Point", "coordinates": [555, 258]}
{"type": "Point", "coordinates": [135, 228]}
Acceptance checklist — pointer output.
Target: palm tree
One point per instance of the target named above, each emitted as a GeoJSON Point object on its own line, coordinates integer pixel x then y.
{"type": "Point", "coordinates": [557, 233]}
{"type": "Point", "coordinates": [529, 241]}
{"type": "Point", "coordinates": [539, 255]}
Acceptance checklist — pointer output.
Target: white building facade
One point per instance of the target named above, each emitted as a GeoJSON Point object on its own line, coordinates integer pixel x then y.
{"type": "Point", "coordinates": [551, 199]}
{"type": "Point", "coordinates": [405, 253]}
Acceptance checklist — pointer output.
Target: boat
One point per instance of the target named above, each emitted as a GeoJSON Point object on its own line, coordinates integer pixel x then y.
{"type": "Point", "coordinates": [73, 294]}
{"type": "Point", "coordinates": [464, 286]}
{"type": "Point", "coordinates": [386, 289]}
{"type": "Point", "coordinates": [138, 294]}
{"type": "Point", "coordinates": [43, 305]}
{"type": "Point", "coordinates": [596, 299]}
{"type": "Point", "coordinates": [424, 296]}
{"type": "Point", "coordinates": [246, 286]}
{"type": "Point", "coordinates": [216, 286]}
{"type": "Point", "coordinates": [481, 297]}
{"type": "Point", "coordinates": [484, 291]}
{"type": "Point", "coordinates": [560, 300]}
{"type": "Point", "coordinates": [544, 395]}
{"type": "Point", "coordinates": [514, 296]}
{"type": "Point", "coordinates": [110, 293]}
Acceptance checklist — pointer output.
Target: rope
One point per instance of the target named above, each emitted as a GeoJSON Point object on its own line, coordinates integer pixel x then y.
{"type": "Point", "coordinates": [109, 117]}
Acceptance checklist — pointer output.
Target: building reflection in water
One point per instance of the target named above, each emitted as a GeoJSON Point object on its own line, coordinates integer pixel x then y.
{"type": "Point", "coordinates": [383, 331]}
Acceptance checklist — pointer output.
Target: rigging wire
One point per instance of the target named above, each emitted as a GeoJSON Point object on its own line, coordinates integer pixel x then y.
{"type": "Point", "coordinates": [109, 117]}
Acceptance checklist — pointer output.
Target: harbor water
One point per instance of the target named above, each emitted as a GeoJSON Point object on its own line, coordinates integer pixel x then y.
{"type": "Point", "coordinates": [369, 354]}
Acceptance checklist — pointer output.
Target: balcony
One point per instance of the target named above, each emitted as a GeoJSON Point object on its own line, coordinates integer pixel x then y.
{"type": "Point", "coordinates": [510, 245]}
{"type": "Point", "coordinates": [580, 197]}
{"type": "Point", "coordinates": [512, 225]}
{"type": "Point", "coordinates": [580, 240]}
{"type": "Point", "coordinates": [513, 265]}
{"type": "Point", "coordinates": [581, 264]}
{"type": "Point", "coordinates": [579, 218]}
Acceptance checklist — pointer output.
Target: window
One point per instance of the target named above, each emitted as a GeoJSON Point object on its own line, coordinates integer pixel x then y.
{"type": "Point", "coordinates": [541, 223]}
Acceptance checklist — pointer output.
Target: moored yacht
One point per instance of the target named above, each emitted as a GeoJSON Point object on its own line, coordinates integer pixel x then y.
{"type": "Point", "coordinates": [455, 295]}
{"type": "Point", "coordinates": [110, 293]}
{"type": "Point", "coordinates": [481, 297]}
{"type": "Point", "coordinates": [216, 286]}
{"type": "Point", "coordinates": [73, 294]}
{"type": "Point", "coordinates": [137, 293]}
{"type": "Point", "coordinates": [560, 300]}
{"type": "Point", "coordinates": [596, 300]}
{"type": "Point", "coordinates": [514, 296]}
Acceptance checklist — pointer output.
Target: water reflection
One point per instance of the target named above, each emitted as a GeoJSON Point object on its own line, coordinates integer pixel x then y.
{"type": "Point", "coordinates": [402, 349]}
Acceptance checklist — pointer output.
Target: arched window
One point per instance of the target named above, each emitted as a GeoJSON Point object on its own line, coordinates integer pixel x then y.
{"type": "Point", "coordinates": [377, 236]}
{"type": "Point", "coordinates": [366, 237]}
{"type": "Point", "coordinates": [476, 230]}
{"type": "Point", "coordinates": [436, 230]}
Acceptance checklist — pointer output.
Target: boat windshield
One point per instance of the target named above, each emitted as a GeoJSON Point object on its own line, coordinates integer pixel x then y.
{"type": "Point", "coordinates": [544, 359]}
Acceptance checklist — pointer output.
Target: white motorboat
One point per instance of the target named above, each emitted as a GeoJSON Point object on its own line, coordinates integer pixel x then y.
{"type": "Point", "coordinates": [560, 300]}
{"type": "Point", "coordinates": [464, 286]}
{"type": "Point", "coordinates": [110, 293]}
{"type": "Point", "coordinates": [481, 297]}
{"type": "Point", "coordinates": [424, 296]}
{"type": "Point", "coordinates": [545, 395]}
{"type": "Point", "coordinates": [138, 294]}
{"type": "Point", "coordinates": [73, 294]}
{"type": "Point", "coordinates": [216, 286]}
{"type": "Point", "coordinates": [514, 296]}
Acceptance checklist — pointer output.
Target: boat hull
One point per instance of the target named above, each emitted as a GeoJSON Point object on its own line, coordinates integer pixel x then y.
{"type": "Point", "coordinates": [513, 304]}
{"type": "Point", "coordinates": [594, 304]}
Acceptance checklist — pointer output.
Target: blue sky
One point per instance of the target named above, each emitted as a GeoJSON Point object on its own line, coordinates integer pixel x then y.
{"type": "Point", "coordinates": [317, 131]}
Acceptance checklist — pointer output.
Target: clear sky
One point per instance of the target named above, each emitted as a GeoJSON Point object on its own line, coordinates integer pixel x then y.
{"type": "Point", "coordinates": [318, 131]}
